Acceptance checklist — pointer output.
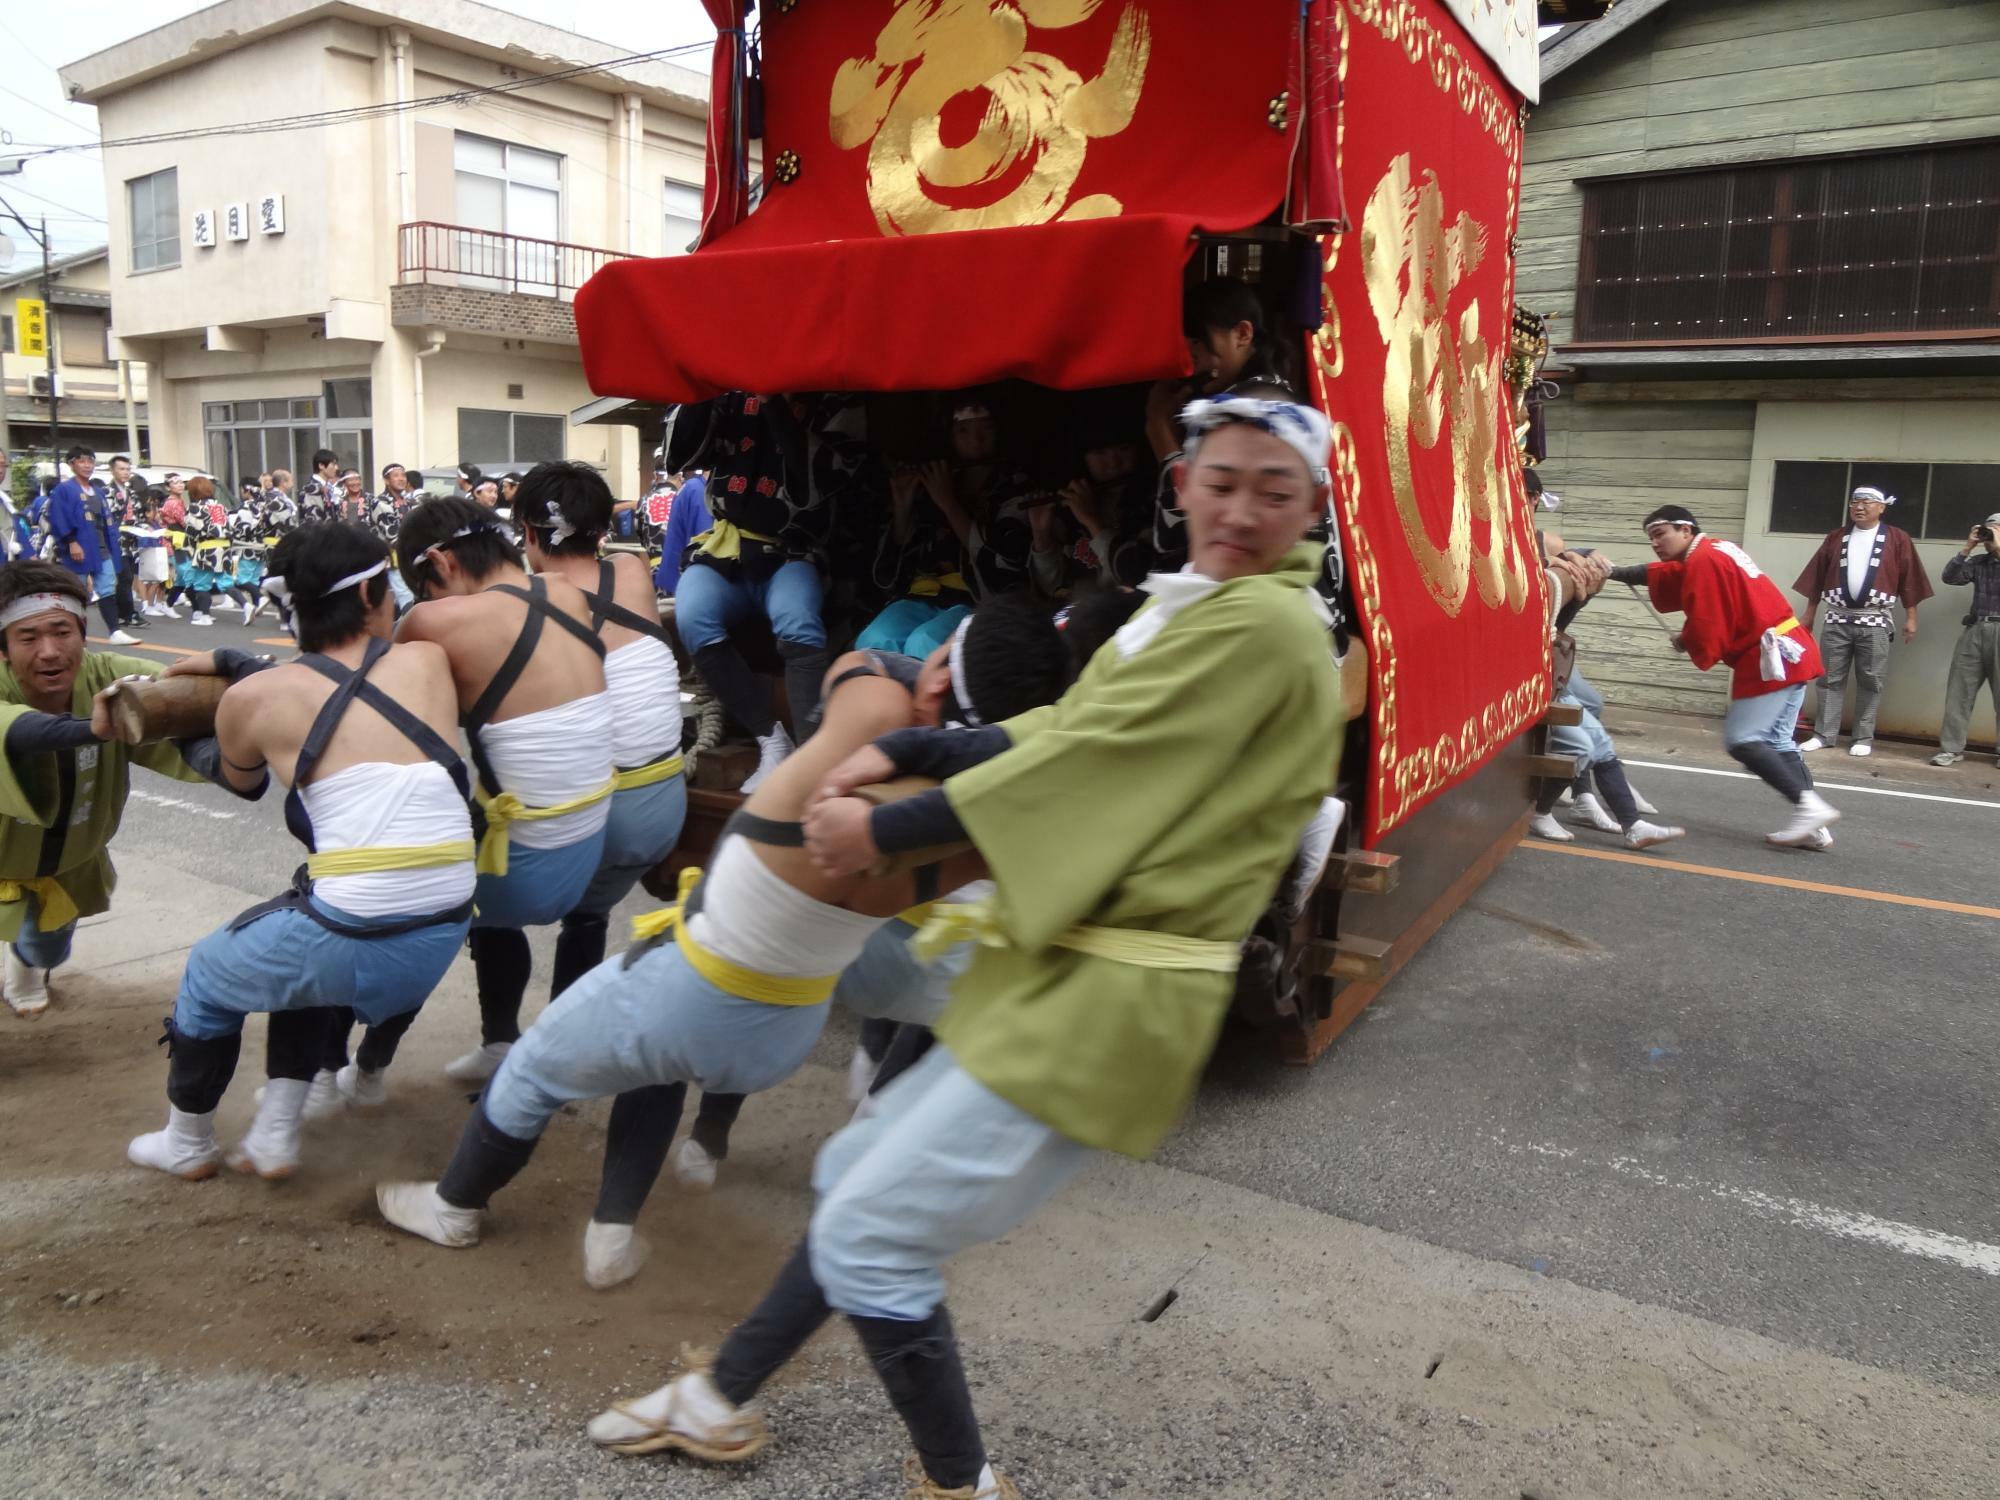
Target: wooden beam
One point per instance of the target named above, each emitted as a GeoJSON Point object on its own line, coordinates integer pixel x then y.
{"type": "Point", "coordinates": [1351, 958]}
{"type": "Point", "coordinates": [1555, 767]}
{"type": "Point", "coordinates": [1365, 870]}
{"type": "Point", "coordinates": [1562, 715]}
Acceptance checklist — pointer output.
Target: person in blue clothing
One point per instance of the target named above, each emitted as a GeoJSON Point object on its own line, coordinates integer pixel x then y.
{"type": "Point", "coordinates": [86, 537]}
{"type": "Point", "coordinates": [686, 518]}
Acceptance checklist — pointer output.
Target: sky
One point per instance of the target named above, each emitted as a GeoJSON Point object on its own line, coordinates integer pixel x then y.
{"type": "Point", "coordinates": [35, 40]}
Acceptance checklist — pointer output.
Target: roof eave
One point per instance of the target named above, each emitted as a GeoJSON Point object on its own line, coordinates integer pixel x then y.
{"type": "Point", "coordinates": [1579, 39]}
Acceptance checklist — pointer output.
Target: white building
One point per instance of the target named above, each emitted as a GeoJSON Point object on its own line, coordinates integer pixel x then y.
{"type": "Point", "coordinates": [397, 286]}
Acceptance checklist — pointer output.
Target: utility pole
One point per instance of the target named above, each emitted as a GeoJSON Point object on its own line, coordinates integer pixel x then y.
{"type": "Point", "coordinates": [55, 400]}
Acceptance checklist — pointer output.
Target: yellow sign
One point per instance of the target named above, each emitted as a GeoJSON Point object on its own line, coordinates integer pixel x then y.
{"type": "Point", "coordinates": [31, 326]}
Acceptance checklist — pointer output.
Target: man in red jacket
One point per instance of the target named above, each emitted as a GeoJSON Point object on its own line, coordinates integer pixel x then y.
{"type": "Point", "coordinates": [1737, 615]}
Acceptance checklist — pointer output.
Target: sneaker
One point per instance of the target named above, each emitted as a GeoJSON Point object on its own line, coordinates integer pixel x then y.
{"type": "Point", "coordinates": [1815, 743]}
{"type": "Point", "coordinates": [688, 1415]}
{"type": "Point", "coordinates": [249, 610]}
{"type": "Point", "coordinates": [1946, 758]}
{"type": "Point", "coordinates": [361, 1088]}
{"type": "Point", "coordinates": [1822, 839]}
{"type": "Point", "coordinates": [417, 1208]}
{"type": "Point", "coordinates": [1813, 813]}
{"type": "Point", "coordinates": [861, 1071]}
{"type": "Point", "coordinates": [201, 619]}
{"type": "Point", "coordinates": [1591, 811]}
{"type": "Point", "coordinates": [1861, 747]}
{"type": "Point", "coordinates": [27, 988]}
{"type": "Point", "coordinates": [1644, 835]}
{"type": "Point", "coordinates": [612, 1255]}
{"type": "Point", "coordinates": [122, 638]}
{"type": "Point", "coordinates": [772, 748]}
{"type": "Point", "coordinates": [185, 1149]}
{"type": "Point", "coordinates": [324, 1099]}
{"type": "Point", "coordinates": [271, 1149]}
{"type": "Point", "coordinates": [694, 1168]}
{"type": "Point", "coordinates": [1545, 826]}
{"type": "Point", "coordinates": [478, 1065]}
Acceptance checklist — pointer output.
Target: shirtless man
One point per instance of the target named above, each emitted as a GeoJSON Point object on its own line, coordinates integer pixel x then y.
{"type": "Point", "coordinates": [736, 999]}
{"type": "Point", "coordinates": [363, 733]}
{"type": "Point", "coordinates": [529, 672]}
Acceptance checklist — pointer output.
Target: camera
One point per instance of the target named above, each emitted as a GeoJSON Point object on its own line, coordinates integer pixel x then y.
{"type": "Point", "coordinates": [1985, 533]}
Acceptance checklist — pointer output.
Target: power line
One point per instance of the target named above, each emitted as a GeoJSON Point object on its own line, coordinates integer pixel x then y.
{"type": "Point", "coordinates": [61, 119]}
{"type": "Point", "coordinates": [366, 112]}
{"type": "Point", "coordinates": [15, 187]}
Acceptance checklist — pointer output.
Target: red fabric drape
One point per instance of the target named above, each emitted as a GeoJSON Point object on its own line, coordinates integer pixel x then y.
{"type": "Point", "coordinates": [955, 195]}
{"type": "Point", "coordinates": [1314, 202]}
{"type": "Point", "coordinates": [723, 192]}
{"type": "Point", "coordinates": [1427, 481]}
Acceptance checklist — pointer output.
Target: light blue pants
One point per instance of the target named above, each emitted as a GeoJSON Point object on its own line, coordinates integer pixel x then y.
{"type": "Point", "coordinates": [540, 884]}
{"type": "Point", "coordinates": [36, 948]}
{"type": "Point", "coordinates": [1587, 739]}
{"type": "Point", "coordinates": [911, 627]}
{"type": "Point", "coordinates": [939, 1163]}
{"type": "Point", "coordinates": [286, 961]}
{"type": "Point", "coordinates": [644, 826]}
{"type": "Point", "coordinates": [656, 1022]}
{"type": "Point", "coordinates": [886, 983]}
{"type": "Point", "coordinates": [708, 604]}
{"type": "Point", "coordinates": [1586, 693]}
{"type": "Point", "coordinates": [1768, 718]}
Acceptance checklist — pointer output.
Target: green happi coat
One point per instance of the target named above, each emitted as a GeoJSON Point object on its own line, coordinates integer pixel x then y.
{"type": "Point", "coordinates": [1165, 792]}
{"type": "Point", "coordinates": [59, 809]}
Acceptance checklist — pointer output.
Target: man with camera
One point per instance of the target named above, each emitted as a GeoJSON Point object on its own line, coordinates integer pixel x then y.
{"type": "Point", "coordinates": [1976, 659]}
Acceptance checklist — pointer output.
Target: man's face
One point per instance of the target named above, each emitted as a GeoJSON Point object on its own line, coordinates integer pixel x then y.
{"type": "Point", "coordinates": [1248, 501]}
{"type": "Point", "coordinates": [177, 486]}
{"type": "Point", "coordinates": [83, 465]}
{"type": "Point", "coordinates": [352, 486]}
{"type": "Point", "coordinates": [488, 493]}
{"type": "Point", "coordinates": [1111, 464]}
{"type": "Point", "coordinates": [974, 440]}
{"type": "Point", "coordinates": [121, 471]}
{"type": "Point", "coordinates": [1219, 355]}
{"type": "Point", "coordinates": [45, 652]}
{"type": "Point", "coordinates": [1670, 539]}
{"type": "Point", "coordinates": [508, 487]}
{"type": "Point", "coordinates": [398, 481]}
{"type": "Point", "coordinates": [933, 689]}
{"type": "Point", "coordinates": [1864, 512]}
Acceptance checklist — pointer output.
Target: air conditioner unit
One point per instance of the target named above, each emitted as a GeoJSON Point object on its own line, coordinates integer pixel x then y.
{"type": "Point", "coordinates": [45, 385]}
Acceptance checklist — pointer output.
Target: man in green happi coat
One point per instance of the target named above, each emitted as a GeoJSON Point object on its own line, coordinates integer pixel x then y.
{"type": "Point", "coordinates": [63, 778]}
{"type": "Point", "coordinates": [1134, 831]}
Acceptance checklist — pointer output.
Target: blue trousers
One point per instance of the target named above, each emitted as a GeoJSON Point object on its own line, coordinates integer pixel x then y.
{"type": "Point", "coordinates": [38, 949]}
{"type": "Point", "coordinates": [540, 884]}
{"type": "Point", "coordinates": [1769, 718]}
{"type": "Point", "coordinates": [708, 605]}
{"type": "Point", "coordinates": [644, 826]}
{"type": "Point", "coordinates": [911, 627]}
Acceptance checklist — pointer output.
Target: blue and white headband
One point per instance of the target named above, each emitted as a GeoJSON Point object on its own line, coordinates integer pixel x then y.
{"type": "Point", "coordinates": [1303, 429]}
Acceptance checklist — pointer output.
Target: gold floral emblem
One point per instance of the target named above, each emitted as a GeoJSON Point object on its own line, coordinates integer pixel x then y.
{"type": "Point", "coordinates": [1021, 162]}
{"type": "Point", "coordinates": [1441, 382]}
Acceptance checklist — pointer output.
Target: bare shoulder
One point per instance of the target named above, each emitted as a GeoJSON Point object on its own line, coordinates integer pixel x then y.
{"type": "Point", "coordinates": [630, 568]}
{"type": "Point", "coordinates": [871, 699]}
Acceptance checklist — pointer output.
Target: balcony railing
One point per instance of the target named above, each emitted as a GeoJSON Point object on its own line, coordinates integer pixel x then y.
{"type": "Point", "coordinates": [432, 254]}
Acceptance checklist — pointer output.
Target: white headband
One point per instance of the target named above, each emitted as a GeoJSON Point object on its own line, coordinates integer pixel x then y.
{"type": "Point", "coordinates": [37, 604]}
{"type": "Point", "coordinates": [353, 578]}
{"type": "Point", "coordinates": [955, 662]}
{"type": "Point", "coordinates": [1869, 492]}
{"type": "Point", "coordinates": [1303, 429]}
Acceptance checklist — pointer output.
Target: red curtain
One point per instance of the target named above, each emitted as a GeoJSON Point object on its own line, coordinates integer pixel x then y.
{"type": "Point", "coordinates": [1420, 292]}
{"type": "Point", "coordinates": [723, 195]}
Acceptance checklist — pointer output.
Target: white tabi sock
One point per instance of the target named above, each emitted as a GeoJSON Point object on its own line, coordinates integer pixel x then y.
{"type": "Point", "coordinates": [271, 1149]}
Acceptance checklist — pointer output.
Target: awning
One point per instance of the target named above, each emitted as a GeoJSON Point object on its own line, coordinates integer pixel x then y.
{"type": "Point", "coordinates": [955, 195]}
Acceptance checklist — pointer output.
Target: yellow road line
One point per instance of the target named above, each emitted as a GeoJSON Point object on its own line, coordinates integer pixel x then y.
{"type": "Point", "coordinates": [1962, 908]}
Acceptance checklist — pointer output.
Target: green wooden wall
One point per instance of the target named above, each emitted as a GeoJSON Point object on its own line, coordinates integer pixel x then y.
{"type": "Point", "coordinates": [1706, 83]}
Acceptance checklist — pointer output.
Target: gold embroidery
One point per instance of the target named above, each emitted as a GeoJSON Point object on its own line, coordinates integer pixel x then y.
{"type": "Point", "coordinates": [1040, 114]}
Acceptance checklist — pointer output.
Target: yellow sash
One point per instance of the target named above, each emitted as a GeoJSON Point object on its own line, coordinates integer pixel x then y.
{"type": "Point", "coordinates": [383, 857]}
{"type": "Point", "coordinates": [1787, 625]}
{"type": "Point", "coordinates": [734, 979]}
{"type": "Point", "coordinates": [725, 540]}
{"type": "Point", "coordinates": [659, 770]}
{"type": "Point", "coordinates": [212, 544]}
{"type": "Point", "coordinates": [56, 909]}
{"type": "Point", "coordinates": [928, 587]}
{"type": "Point", "coordinates": [508, 808]}
{"type": "Point", "coordinates": [973, 921]}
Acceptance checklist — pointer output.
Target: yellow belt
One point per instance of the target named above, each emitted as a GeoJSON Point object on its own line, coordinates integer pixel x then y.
{"type": "Point", "coordinates": [974, 921]}
{"type": "Point", "coordinates": [659, 770]}
{"type": "Point", "coordinates": [57, 909]}
{"type": "Point", "coordinates": [745, 984]}
{"type": "Point", "coordinates": [927, 587]}
{"type": "Point", "coordinates": [508, 808]}
{"type": "Point", "coordinates": [917, 916]}
{"type": "Point", "coordinates": [725, 539]}
{"type": "Point", "coordinates": [384, 857]}
{"type": "Point", "coordinates": [1787, 625]}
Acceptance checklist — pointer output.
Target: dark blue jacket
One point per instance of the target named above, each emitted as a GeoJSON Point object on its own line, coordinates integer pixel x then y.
{"type": "Point", "coordinates": [77, 513]}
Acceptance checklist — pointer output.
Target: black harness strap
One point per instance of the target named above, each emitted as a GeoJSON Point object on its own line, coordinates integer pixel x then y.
{"type": "Point", "coordinates": [605, 606]}
{"type": "Point", "coordinates": [477, 717]}
{"type": "Point", "coordinates": [772, 832]}
{"type": "Point", "coordinates": [298, 899]}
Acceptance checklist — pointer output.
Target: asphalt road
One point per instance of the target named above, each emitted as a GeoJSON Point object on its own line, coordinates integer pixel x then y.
{"type": "Point", "coordinates": [1760, 1104]}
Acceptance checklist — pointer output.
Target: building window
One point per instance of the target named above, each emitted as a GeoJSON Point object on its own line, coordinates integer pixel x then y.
{"type": "Point", "coordinates": [1820, 250]}
{"type": "Point", "coordinates": [496, 441]}
{"type": "Point", "coordinates": [154, 205]}
{"type": "Point", "coordinates": [506, 193]}
{"type": "Point", "coordinates": [83, 337]}
{"type": "Point", "coordinates": [248, 438]}
{"type": "Point", "coordinates": [683, 216]}
{"type": "Point", "coordinates": [1934, 502]}
{"type": "Point", "coordinates": [6, 333]}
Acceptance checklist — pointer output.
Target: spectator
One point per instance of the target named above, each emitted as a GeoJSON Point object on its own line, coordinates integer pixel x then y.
{"type": "Point", "coordinates": [1861, 572]}
{"type": "Point", "coordinates": [149, 534]}
{"type": "Point", "coordinates": [320, 498]}
{"type": "Point", "coordinates": [351, 500]}
{"type": "Point", "coordinates": [123, 497]}
{"type": "Point", "coordinates": [1976, 659]}
{"type": "Point", "coordinates": [86, 538]}
{"type": "Point", "coordinates": [1105, 537]}
{"type": "Point", "coordinates": [676, 517]}
{"type": "Point", "coordinates": [468, 480]}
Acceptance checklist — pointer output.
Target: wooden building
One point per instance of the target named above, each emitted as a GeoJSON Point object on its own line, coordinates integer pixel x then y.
{"type": "Point", "coordinates": [1768, 235]}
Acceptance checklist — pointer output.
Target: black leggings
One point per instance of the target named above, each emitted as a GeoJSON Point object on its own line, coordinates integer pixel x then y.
{"type": "Point", "coordinates": [500, 964]}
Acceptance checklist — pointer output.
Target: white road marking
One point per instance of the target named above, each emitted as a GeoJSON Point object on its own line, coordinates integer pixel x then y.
{"type": "Point", "coordinates": [158, 801]}
{"type": "Point", "coordinates": [1824, 786]}
{"type": "Point", "coordinates": [1839, 1223]}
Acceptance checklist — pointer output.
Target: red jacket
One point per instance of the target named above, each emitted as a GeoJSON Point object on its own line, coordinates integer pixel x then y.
{"type": "Point", "coordinates": [1729, 604]}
